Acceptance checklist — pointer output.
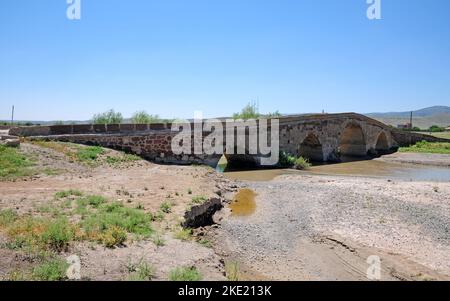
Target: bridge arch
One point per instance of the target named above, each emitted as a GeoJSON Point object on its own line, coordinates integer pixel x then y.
{"type": "Point", "coordinates": [352, 141]}
{"type": "Point", "coordinates": [311, 148]}
{"type": "Point", "coordinates": [382, 144]}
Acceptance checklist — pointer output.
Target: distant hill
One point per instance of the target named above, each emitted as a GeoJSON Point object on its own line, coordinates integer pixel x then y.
{"type": "Point", "coordinates": [423, 118]}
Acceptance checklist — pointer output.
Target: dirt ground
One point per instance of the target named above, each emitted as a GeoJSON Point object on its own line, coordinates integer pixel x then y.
{"type": "Point", "coordinates": [137, 183]}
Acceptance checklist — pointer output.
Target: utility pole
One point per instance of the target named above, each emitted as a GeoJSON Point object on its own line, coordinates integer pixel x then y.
{"type": "Point", "coordinates": [410, 120]}
{"type": "Point", "coordinates": [12, 115]}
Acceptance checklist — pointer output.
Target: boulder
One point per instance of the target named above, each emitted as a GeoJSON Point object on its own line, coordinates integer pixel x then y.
{"type": "Point", "coordinates": [10, 142]}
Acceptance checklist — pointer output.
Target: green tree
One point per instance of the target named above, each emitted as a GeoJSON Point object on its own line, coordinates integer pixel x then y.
{"type": "Point", "coordinates": [142, 117]}
{"type": "Point", "coordinates": [435, 128]}
{"type": "Point", "coordinates": [109, 117]}
{"type": "Point", "coordinates": [250, 111]}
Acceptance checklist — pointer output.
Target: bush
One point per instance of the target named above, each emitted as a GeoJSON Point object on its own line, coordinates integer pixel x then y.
{"type": "Point", "coordinates": [143, 117]}
{"type": "Point", "coordinates": [435, 129]}
{"type": "Point", "coordinates": [185, 274]}
{"type": "Point", "coordinates": [250, 111]}
{"type": "Point", "coordinates": [113, 236]}
{"type": "Point", "coordinates": [141, 272]}
{"type": "Point", "coordinates": [199, 199]}
{"type": "Point", "coordinates": [286, 160]}
{"type": "Point", "coordinates": [53, 270]}
{"type": "Point", "coordinates": [89, 154]}
{"type": "Point", "coordinates": [109, 117]}
{"type": "Point", "coordinates": [166, 207]}
{"type": "Point", "coordinates": [57, 234]}
{"type": "Point", "coordinates": [302, 163]}
{"type": "Point", "coordinates": [183, 234]}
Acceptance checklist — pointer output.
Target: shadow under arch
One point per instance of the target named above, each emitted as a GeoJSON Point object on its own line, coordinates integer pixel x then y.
{"type": "Point", "coordinates": [311, 148]}
{"type": "Point", "coordinates": [352, 142]}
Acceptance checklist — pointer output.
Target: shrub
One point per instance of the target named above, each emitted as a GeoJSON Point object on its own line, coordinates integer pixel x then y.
{"type": "Point", "coordinates": [89, 154]}
{"type": "Point", "coordinates": [53, 270]}
{"type": "Point", "coordinates": [232, 271]}
{"type": "Point", "coordinates": [57, 234]}
{"type": "Point", "coordinates": [166, 207]}
{"type": "Point", "coordinates": [185, 274]}
{"type": "Point", "coordinates": [142, 117]}
{"type": "Point", "coordinates": [199, 199]}
{"type": "Point", "coordinates": [286, 159]}
{"type": "Point", "coordinates": [184, 234]}
{"type": "Point", "coordinates": [113, 236]}
{"type": "Point", "coordinates": [109, 117]}
{"type": "Point", "coordinates": [435, 128]}
{"type": "Point", "coordinates": [143, 271]}
{"type": "Point", "coordinates": [250, 111]}
{"type": "Point", "coordinates": [302, 163]}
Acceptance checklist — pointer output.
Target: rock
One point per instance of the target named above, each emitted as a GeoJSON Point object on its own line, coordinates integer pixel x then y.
{"type": "Point", "coordinates": [10, 142]}
{"type": "Point", "coordinates": [202, 215]}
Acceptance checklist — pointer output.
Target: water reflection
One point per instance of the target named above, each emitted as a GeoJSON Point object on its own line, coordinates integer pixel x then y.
{"type": "Point", "coordinates": [370, 168]}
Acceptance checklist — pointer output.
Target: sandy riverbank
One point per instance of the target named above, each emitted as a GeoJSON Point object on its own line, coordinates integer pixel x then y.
{"type": "Point", "coordinates": [319, 227]}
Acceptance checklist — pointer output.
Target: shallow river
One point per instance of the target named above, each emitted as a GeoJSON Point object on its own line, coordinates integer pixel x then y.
{"type": "Point", "coordinates": [370, 168]}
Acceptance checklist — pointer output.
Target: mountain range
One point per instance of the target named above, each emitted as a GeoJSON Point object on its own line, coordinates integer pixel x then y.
{"type": "Point", "coordinates": [423, 118]}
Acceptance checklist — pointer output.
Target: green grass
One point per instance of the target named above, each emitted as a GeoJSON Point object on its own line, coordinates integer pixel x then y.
{"type": "Point", "coordinates": [7, 217]}
{"type": "Point", "coordinates": [106, 222]}
{"type": "Point", "coordinates": [34, 233]}
{"type": "Point", "coordinates": [185, 274]}
{"type": "Point", "coordinates": [232, 271]}
{"type": "Point", "coordinates": [67, 193]}
{"type": "Point", "coordinates": [445, 135]}
{"type": "Point", "coordinates": [302, 163]}
{"type": "Point", "coordinates": [184, 234]}
{"type": "Point", "coordinates": [125, 158]}
{"type": "Point", "coordinates": [199, 199]}
{"type": "Point", "coordinates": [166, 207]}
{"type": "Point", "coordinates": [142, 271]}
{"type": "Point", "coordinates": [89, 154]}
{"type": "Point", "coordinates": [13, 164]}
{"type": "Point", "coordinates": [428, 147]}
{"type": "Point", "coordinates": [115, 214]}
{"type": "Point", "coordinates": [52, 270]}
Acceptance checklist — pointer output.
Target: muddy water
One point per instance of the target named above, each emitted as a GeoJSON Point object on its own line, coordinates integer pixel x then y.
{"type": "Point", "coordinates": [371, 168]}
{"type": "Point", "coordinates": [243, 203]}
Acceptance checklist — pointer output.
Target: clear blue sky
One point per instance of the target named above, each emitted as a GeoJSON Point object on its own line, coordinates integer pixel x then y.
{"type": "Point", "coordinates": [171, 57]}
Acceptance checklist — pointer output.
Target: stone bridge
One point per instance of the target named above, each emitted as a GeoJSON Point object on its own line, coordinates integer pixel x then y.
{"type": "Point", "coordinates": [322, 137]}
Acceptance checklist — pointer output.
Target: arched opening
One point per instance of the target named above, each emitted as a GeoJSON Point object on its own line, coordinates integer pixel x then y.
{"type": "Point", "coordinates": [352, 141]}
{"type": "Point", "coordinates": [311, 148]}
{"type": "Point", "coordinates": [382, 143]}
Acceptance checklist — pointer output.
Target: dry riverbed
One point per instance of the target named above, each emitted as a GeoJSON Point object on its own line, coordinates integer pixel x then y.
{"type": "Point", "coordinates": [325, 227]}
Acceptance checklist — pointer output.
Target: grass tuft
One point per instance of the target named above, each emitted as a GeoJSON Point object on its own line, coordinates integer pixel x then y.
{"type": "Point", "coordinates": [52, 270]}
{"type": "Point", "coordinates": [13, 164]}
{"type": "Point", "coordinates": [185, 274]}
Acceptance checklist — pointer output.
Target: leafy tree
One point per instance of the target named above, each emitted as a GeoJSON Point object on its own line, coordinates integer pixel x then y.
{"type": "Point", "coordinates": [142, 117]}
{"type": "Point", "coordinates": [109, 117]}
{"type": "Point", "coordinates": [250, 111]}
{"type": "Point", "coordinates": [435, 128]}
{"type": "Point", "coordinates": [274, 114]}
